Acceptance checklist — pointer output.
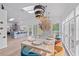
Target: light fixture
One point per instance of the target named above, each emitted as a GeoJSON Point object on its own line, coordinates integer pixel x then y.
{"type": "Point", "coordinates": [11, 19]}
{"type": "Point", "coordinates": [34, 8]}
{"type": "Point", "coordinates": [29, 9]}
{"type": "Point", "coordinates": [39, 10]}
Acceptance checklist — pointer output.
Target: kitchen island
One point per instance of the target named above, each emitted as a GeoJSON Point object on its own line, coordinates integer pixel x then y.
{"type": "Point", "coordinates": [41, 49]}
{"type": "Point", "coordinates": [18, 34]}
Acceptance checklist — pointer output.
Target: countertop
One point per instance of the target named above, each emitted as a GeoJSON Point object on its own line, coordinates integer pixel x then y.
{"type": "Point", "coordinates": [43, 47]}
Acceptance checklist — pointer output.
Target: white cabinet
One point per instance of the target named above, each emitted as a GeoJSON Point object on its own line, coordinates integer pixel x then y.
{"type": "Point", "coordinates": [69, 36]}
{"type": "Point", "coordinates": [72, 36]}
{"type": "Point", "coordinates": [77, 50]}
{"type": "Point", "coordinates": [70, 16]}
{"type": "Point", "coordinates": [69, 26]}
{"type": "Point", "coordinates": [77, 28]}
{"type": "Point", "coordinates": [71, 32]}
{"type": "Point", "coordinates": [77, 36]}
{"type": "Point", "coordinates": [66, 35]}
{"type": "Point", "coordinates": [77, 11]}
{"type": "Point", "coordinates": [3, 28]}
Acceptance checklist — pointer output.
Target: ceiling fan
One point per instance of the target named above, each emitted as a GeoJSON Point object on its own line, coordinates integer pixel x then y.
{"type": "Point", "coordinates": [39, 11]}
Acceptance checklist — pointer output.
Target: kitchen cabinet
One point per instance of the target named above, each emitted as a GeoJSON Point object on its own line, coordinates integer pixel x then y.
{"type": "Point", "coordinates": [77, 35]}
{"type": "Point", "coordinates": [3, 29]}
{"type": "Point", "coordinates": [72, 36]}
{"type": "Point", "coordinates": [77, 11]}
{"type": "Point", "coordinates": [69, 36]}
{"type": "Point", "coordinates": [77, 50]}
{"type": "Point", "coordinates": [18, 34]}
{"type": "Point", "coordinates": [71, 32]}
{"type": "Point", "coordinates": [77, 28]}
{"type": "Point", "coordinates": [66, 35]}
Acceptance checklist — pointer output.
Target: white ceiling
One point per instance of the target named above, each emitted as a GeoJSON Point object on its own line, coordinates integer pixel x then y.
{"type": "Point", "coordinates": [57, 11]}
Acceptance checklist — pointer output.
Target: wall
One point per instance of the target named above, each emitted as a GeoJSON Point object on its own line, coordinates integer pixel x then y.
{"type": "Point", "coordinates": [3, 35]}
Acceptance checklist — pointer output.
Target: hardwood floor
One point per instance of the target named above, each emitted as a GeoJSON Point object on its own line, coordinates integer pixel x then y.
{"type": "Point", "coordinates": [13, 48]}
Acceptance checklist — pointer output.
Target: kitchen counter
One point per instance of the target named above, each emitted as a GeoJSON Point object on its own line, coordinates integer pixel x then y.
{"type": "Point", "coordinates": [18, 34]}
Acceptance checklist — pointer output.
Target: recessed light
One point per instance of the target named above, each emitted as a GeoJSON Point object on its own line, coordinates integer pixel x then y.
{"type": "Point", "coordinates": [11, 19]}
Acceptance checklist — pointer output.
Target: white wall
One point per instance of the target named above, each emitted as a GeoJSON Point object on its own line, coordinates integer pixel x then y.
{"type": "Point", "coordinates": [3, 17]}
